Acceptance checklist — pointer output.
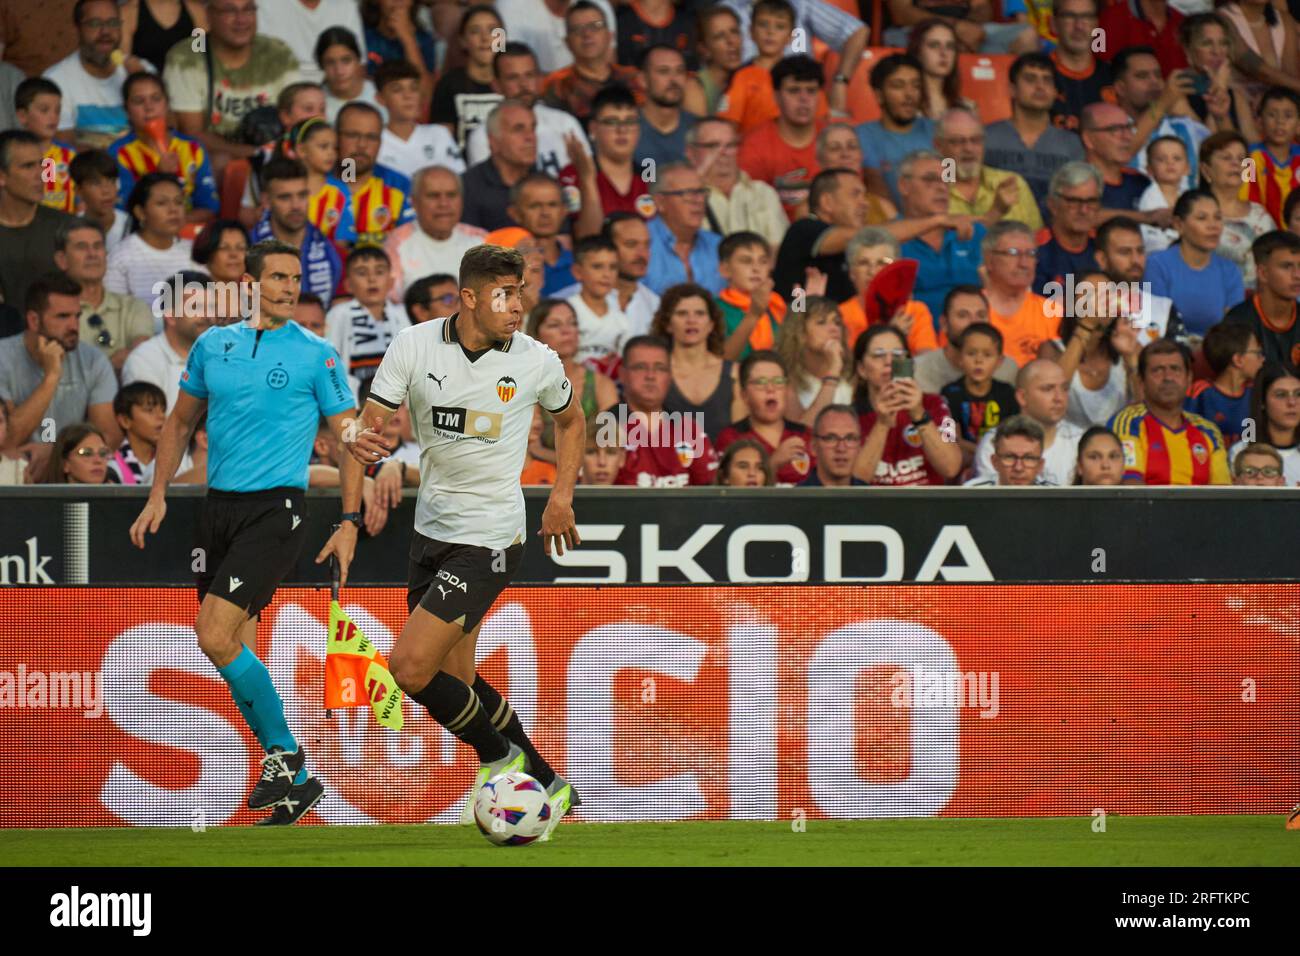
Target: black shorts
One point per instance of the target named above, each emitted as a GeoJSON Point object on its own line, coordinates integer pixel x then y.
{"type": "Point", "coordinates": [251, 541]}
{"type": "Point", "coordinates": [457, 583]}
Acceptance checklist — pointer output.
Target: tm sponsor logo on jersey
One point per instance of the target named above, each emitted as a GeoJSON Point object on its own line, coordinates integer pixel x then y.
{"type": "Point", "coordinates": [462, 423]}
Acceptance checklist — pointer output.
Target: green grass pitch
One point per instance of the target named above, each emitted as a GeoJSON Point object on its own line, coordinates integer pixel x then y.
{"type": "Point", "coordinates": [1128, 841]}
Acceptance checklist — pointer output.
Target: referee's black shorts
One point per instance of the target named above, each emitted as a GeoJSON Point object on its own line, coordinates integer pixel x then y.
{"type": "Point", "coordinates": [457, 583]}
{"type": "Point", "coordinates": [251, 541]}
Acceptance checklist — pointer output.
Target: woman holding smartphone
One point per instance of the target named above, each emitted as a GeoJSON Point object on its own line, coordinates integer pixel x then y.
{"type": "Point", "coordinates": [1218, 101]}
{"type": "Point", "coordinates": [903, 429]}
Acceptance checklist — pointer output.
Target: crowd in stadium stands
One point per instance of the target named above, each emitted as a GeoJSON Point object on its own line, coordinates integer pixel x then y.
{"type": "Point", "coordinates": [892, 243]}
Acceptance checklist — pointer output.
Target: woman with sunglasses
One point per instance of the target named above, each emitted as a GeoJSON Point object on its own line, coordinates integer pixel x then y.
{"type": "Point", "coordinates": [902, 428]}
{"type": "Point", "coordinates": [1275, 408]}
{"type": "Point", "coordinates": [154, 252]}
{"type": "Point", "coordinates": [80, 458]}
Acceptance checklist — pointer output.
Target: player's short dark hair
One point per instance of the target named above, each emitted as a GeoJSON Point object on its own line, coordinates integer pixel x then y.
{"type": "Point", "coordinates": [52, 283]}
{"type": "Point", "coordinates": [1114, 225]}
{"type": "Point", "coordinates": [1034, 59]}
{"type": "Point", "coordinates": [736, 241]}
{"type": "Point", "coordinates": [138, 77]}
{"type": "Point", "coordinates": [33, 87]}
{"type": "Point", "coordinates": [282, 167]}
{"type": "Point", "coordinates": [643, 57]}
{"type": "Point", "coordinates": [15, 137]}
{"type": "Point", "coordinates": [776, 7]}
{"type": "Point", "coordinates": [138, 393]}
{"type": "Point", "coordinates": [420, 292]}
{"type": "Point", "coordinates": [209, 238]}
{"type": "Point", "coordinates": [1125, 57]}
{"type": "Point", "coordinates": [1163, 347]}
{"type": "Point", "coordinates": [799, 67]}
{"type": "Point", "coordinates": [827, 181]}
{"type": "Point", "coordinates": [511, 49]}
{"type": "Point", "coordinates": [79, 8]}
{"type": "Point", "coordinates": [73, 224]}
{"type": "Point", "coordinates": [391, 71]}
{"type": "Point", "coordinates": [589, 244]}
{"type": "Point", "coordinates": [1270, 242]}
{"type": "Point", "coordinates": [260, 251]}
{"type": "Point", "coordinates": [357, 106]}
{"type": "Point", "coordinates": [483, 263]}
{"type": "Point", "coordinates": [366, 253]}
{"type": "Point", "coordinates": [753, 358]}
{"type": "Point", "coordinates": [986, 329]}
{"type": "Point", "coordinates": [962, 290]}
{"type": "Point", "coordinates": [1019, 426]}
{"type": "Point", "coordinates": [645, 341]}
{"type": "Point", "coordinates": [92, 166]}
{"type": "Point", "coordinates": [1278, 93]}
{"type": "Point", "coordinates": [1225, 340]}
{"type": "Point", "coordinates": [613, 94]}
{"type": "Point", "coordinates": [889, 65]}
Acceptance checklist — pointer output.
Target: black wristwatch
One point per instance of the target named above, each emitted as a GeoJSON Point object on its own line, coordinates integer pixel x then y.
{"type": "Point", "coordinates": [353, 516]}
{"type": "Point", "coordinates": [925, 419]}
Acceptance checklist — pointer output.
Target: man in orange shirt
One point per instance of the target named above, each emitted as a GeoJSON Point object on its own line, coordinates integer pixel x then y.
{"type": "Point", "coordinates": [590, 39]}
{"type": "Point", "coordinates": [749, 101]}
{"type": "Point", "coordinates": [1021, 315]}
{"type": "Point", "coordinates": [869, 251]}
{"type": "Point", "coordinates": [783, 152]}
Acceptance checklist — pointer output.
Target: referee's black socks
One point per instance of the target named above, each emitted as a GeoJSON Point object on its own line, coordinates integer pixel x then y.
{"type": "Point", "coordinates": [452, 704]}
{"type": "Point", "coordinates": [505, 719]}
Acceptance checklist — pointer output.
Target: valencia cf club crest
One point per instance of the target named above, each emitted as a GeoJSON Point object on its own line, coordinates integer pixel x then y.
{"type": "Point", "coordinates": [506, 388]}
{"type": "Point", "coordinates": [645, 206]}
{"type": "Point", "coordinates": [1200, 453]}
{"type": "Point", "coordinates": [912, 436]}
{"type": "Point", "coordinates": [685, 454]}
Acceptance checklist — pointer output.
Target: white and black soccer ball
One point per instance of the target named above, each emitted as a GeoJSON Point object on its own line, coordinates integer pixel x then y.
{"type": "Point", "coordinates": [512, 809]}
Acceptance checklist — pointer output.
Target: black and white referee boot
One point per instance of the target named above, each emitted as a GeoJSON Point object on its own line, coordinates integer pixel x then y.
{"type": "Point", "coordinates": [278, 772]}
{"type": "Point", "coordinates": [296, 805]}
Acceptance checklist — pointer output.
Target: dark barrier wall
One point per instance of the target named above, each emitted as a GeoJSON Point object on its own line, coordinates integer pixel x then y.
{"type": "Point", "coordinates": [60, 536]}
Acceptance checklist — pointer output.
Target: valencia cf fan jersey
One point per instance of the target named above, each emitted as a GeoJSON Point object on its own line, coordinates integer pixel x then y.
{"type": "Point", "coordinates": [793, 472]}
{"type": "Point", "coordinates": [330, 211]}
{"type": "Point", "coordinates": [1074, 91]}
{"type": "Point", "coordinates": [903, 462]}
{"type": "Point", "coordinates": [1156, 455]}
{"type": "Point", "coordinates": [137, 157]}
{"type": "Point", "coordinates": [60, 193]}
{"type": "Point", "coordinates": [671, 457]}
{"type": "Point", "coordinates": [360, 338]}
{"type": "Point", "coordinates": [471, 413]}
{"type": "Point", "coordinates": [1281, 343]}
{"type": "Point", "coordinates": [380, 206]}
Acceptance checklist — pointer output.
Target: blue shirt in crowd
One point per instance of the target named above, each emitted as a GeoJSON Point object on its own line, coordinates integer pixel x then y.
{"type": "Point", "coordinates": [667, 270]}
{"type": "Point", "coordinates": [1200, 296]}
{"type": "Point", "coordinates": [956, 262]}
{"type": "Point", "coordinates": [884, 150]}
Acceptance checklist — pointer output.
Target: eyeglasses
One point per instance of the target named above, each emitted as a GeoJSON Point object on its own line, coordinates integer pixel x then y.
{"type": "Point", "coordinates": [686, 193]}
{"type": "Point", "coordinates": [617, 123]}
{"type": "Point", "coordinates": [1017, 253]}
{"type": "Point", "coordinates": [733, 144]}
{"type": "Point", "coordinates": [93, 453]}
{"type": "Point", "coordinates": [115, 23]}
{"type": "Point", "coordinates": [874, 263]}
{"type": "Point", "coordinates": [448, 298]}
{"type": "Point", "coordinates": [1079, 202]}
{"type": "Point", "coordinates": [775, 381]}
{"type": "Point", "coordinates": [103, 336]}
{"type": "Point", "coordinates": [1259, 352]}
{"type": "Point", "coordinates": [888, 353]}
{"type": "Point", "coordinates": [1129, 127]}
{"type": "Point", "coordinates": [1268, 471]}
{"type": "Point", "coordinates": [830, 439]}
{"type": "Point", "coordinates": [587, 29]}
{"type": "Point", "coordinates": [1012, 460]}
{"type": "Point", "coordinates": [659, 368]}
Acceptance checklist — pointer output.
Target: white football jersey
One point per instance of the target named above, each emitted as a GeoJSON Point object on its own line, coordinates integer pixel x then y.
{"type": "Point", "coordinates": [429, 145]}
{"type": "Point", "coordinates": [471, 415]}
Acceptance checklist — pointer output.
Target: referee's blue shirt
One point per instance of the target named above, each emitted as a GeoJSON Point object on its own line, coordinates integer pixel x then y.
{"type": "Point", "coordinates": [266, 392]}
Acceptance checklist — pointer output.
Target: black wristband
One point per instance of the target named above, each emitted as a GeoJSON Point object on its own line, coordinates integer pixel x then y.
{"type": "Point", "coordinates": [925, 419]}
{"type": "Point", "coordinates": [353, 516]}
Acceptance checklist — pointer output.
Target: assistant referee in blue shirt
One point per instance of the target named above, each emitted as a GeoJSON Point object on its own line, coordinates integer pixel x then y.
{"type": "Point", "coordinates": [265, 384]}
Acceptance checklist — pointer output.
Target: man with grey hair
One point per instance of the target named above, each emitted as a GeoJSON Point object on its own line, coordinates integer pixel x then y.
{"type": "Point", "coordinates": [1017, 455]}
{"type": "Point", "coordinates": [737, 202]}
{"type": "Point", "coordinates": [437, 239]}
{"type": "Point", "coordinates": [1015, 310]}
{"type": "Point", "coordinates": [949, 250]}
{"type": "Point", "coordinates": [959, 136]}
{"type": "Point", "coordinates": [1044, 396]}
{"type": "Point", "coordinates": [512, 142]}
{"type": "Point", "coordinates": [681, 249]}
{"type": "Point", "coordinates": [1074, 200]}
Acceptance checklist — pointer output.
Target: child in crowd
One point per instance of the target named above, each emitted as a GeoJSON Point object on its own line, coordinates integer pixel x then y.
{"type": "Point", "coordinates": [602, 327]}
{"type": "Point", "coordinates": [753, 312]}
{"type": "Point", "coordinates": [141, 411]}
{"type": "Point", "coordinates": [409, 145]}
{"type": "Point", "coordinates": [750, 101]}
{"type": "Point", "coordinates": [1236, 357]}
{"type": "Point", "coordinates": [362, 328]}
{"type": "Point", "coordinates": [1169, 167]}
{"type": "Point", "coordinates": [978, 401]}
{"type": "Point", "coordinates": [37, 102]}
{"type": "Point", "coordinates": [95, 178]}
{"type": "Point", "coordinates": [602, 461]}
{"type": "Point", "coordinates": [1276, 157]}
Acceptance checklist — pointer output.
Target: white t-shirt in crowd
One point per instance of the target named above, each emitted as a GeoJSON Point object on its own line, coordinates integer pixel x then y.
{"type": "Point", "coordinates": [472, 421]}
{"type": "Point", "coordinates": [600, 335]}
{"type": "Point", "coordinates": [368, 95]}
{"type": "Point", "coordinates": [640, 309]}
{"type": "Point", "coordinates": [1154, 238]}
{"type": "Point", "coordinates": [91, 105]}
{"type": "Point", "coordinates": [299, 26]}
{"type": "Point", "coordinates": [1059, 460]}
{"type": "Point", "coordinates": [135, 267]}
{"type": "Point", "coordinates": [430, 145]}
{"type": "Point", "coordinates": [120, 229]}
{"type": "Point", "coordinates": [155, 361]}
{"type": "Point", "coordinates": [552, 126]}
{"type": "Point", "coordinates": [416, 254]}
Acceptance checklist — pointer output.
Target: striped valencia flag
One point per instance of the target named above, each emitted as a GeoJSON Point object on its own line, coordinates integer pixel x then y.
{"type": "Point", "coordinates": [356, 673]}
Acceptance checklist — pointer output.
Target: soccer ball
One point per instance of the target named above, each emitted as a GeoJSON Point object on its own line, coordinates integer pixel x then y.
{"type": "Point", "coordinates": [512, 809]}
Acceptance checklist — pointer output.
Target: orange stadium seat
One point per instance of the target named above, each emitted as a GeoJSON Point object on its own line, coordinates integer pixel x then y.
{"type": "Point", "coordinates": [233, 181]}
{"type": "Point", "coordinates": [861, 101]}
{"type": "Point", "coordinates": [985, 79]}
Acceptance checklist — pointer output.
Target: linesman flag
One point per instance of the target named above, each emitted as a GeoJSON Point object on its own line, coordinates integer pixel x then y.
{"type": "Point", "coordinates": [357, 674]}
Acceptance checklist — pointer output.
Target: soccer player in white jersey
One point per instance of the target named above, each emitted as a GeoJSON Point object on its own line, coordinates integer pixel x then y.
{"type": "Point", "coordinates": [470, 382]}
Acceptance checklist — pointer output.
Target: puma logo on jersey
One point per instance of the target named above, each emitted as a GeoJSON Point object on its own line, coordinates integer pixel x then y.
{"type": "Point", "coordinates": [235, 584]}
{"type": "Point", "coordinates": [452, 580]}
{"type": "Point", "coordinates": [296, 521]}
{"type": "Point", "coordinates": [437, 379]}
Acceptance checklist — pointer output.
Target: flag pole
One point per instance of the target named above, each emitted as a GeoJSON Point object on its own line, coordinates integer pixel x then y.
{"type": "Point", "coordinates": [334, 596]}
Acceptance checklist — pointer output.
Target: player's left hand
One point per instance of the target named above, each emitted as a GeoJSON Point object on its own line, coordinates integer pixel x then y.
{"type": "Point", "coordinates": [342, 544]}
{"type": "Point", "coordinates": [558, 522]}
{"type": "Point", "coordinates": [369, 447]}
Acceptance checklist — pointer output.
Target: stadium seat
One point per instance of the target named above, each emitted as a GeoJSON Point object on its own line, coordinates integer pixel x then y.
{"type": "Point", "coordinates": [233, 181]}
{"type": "Point", "coordinates": [861, 101]}
{"type": "Point", "coordinates": [985, 79]}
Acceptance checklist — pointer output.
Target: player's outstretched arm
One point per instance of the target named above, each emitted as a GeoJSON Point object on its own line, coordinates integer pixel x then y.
{"type": "Point", "coordinates": [171, 448]}
{"type": "Point", "coordinates": [558, 521]}
{"type": "Point", "coordinates": [343, 542]}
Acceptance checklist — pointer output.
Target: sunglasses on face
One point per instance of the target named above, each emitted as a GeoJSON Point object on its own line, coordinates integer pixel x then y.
{"type": "Point", "coordinates": [102, 335]}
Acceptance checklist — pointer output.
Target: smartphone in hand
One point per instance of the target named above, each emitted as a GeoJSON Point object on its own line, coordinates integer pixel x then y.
{"type": "Point", "coordinates": [902, 368]}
